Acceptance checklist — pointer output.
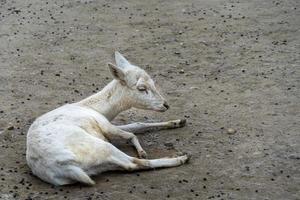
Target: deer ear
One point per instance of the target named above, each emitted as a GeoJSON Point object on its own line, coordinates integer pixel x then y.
{"type": "Point", "coordinates": [117, 72]}
{"type": "Point", "coordinates": [121, 60]}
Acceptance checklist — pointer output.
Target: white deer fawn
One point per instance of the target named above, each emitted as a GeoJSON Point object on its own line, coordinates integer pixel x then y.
{"type": "Point", "coordinates": [71, 143]}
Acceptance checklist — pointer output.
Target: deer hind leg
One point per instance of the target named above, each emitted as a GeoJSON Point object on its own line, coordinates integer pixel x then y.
{"type": "Point", "coordinates": [114, 131]}
{"type": "Point", "coordinates": [128, 163]}
{"type": "Point", "coordinates": [109, 160]}
{"type": "Point", "coordinates": [141, 127]}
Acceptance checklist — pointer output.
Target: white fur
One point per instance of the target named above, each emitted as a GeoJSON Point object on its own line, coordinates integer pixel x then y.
{"type": "Point", "coordinates": [70, 143]}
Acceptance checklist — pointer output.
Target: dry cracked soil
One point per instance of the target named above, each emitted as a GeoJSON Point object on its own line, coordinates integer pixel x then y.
{"type": "Point", "coordinates": [220, 63]}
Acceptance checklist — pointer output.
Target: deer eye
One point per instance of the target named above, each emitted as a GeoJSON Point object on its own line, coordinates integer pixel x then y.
{"type": "Point", "coordinates": [142, 88]}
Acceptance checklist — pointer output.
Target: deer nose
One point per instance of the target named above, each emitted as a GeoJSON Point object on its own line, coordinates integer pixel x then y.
{"type": "Point", "coordinates": [166, 105]}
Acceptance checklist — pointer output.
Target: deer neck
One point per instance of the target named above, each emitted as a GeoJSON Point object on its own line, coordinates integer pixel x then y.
{"type": "Point", "coordinates": [110, 101]}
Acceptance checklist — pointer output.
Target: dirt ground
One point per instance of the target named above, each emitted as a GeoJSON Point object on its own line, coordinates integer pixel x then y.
{"type": "Point", "coordinates": [221, 64]}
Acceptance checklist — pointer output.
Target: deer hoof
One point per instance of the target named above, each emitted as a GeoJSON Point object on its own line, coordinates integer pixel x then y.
{"type": "Point", "coordinates": [142, 154]}
{"type": "Point", "coordinates": [178, 123]}
{"type": "Point", "coordinates": [184, 159]}
{"type": "Point", "coordinates": [182, 122]}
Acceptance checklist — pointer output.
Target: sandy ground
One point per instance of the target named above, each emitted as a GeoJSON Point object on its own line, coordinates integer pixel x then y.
{"type": "Point", "coordinates": [221, 64]}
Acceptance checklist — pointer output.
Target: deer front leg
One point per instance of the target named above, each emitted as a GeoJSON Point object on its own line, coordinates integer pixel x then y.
{"type": "Point", "coordinates": [140, 127]}
{"type": "Point", "coordinates": [114, 131]}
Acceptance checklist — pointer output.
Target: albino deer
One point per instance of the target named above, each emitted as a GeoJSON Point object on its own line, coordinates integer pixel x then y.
{"type": "Point", "coordinates": [71, 143]}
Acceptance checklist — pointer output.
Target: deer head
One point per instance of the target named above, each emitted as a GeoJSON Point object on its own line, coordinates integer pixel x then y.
{"type": "Point", "coordinates": [139, 88]}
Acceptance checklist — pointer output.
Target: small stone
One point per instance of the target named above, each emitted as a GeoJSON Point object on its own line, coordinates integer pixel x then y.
{"type": "Point", "coordinates": [231, 131]}
{"type": "Point", "coordinates": [11, 128]}
{"type": "Point", "coordinates": [181, 71]}
{"type": "Point", "coordinates": [294, 157]}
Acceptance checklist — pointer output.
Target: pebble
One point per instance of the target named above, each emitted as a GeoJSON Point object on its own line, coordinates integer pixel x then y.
{"type": "Point", "coordinates": [296, 157]}
{"type": "Point", "coordinates": [231, 131]}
